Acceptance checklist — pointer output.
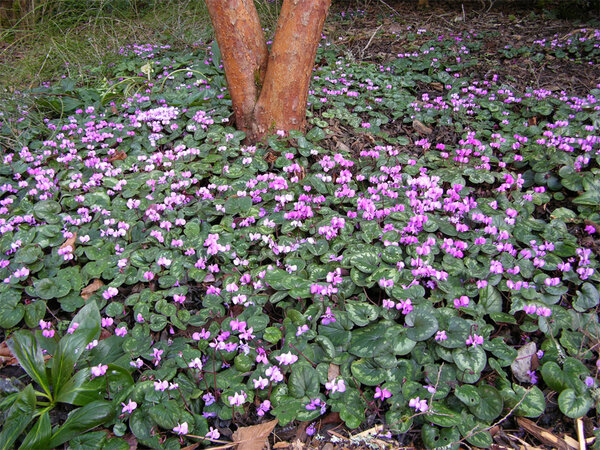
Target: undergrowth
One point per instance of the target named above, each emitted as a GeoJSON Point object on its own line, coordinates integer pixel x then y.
{"type": "Point", "coordinates": [164, 282]}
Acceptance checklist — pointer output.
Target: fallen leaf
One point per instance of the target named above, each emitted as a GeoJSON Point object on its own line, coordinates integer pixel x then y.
{"type": "Point", "coordinates": [544, 435]}
{"type": "Point", "coordinates": [333, 372]}
{"type": "Point", "coordinates": [91, 288]}
{"type": "Point", "coordinates": [522, 363]}
{"type": "Point", "coordinates": [254, 437]}
{"type": "Point", "coordinates": [282, 444]}
{"type": "Point", "coordinates": [6, 357]}
{"type": "Point", "coordinates": [70, 242]}
{"type": "Point", "coordinates": [421, 128]}
{"type": "Point", "coordinates": [118, 156]}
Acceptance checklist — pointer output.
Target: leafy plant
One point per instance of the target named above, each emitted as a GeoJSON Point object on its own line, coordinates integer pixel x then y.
{"type": "Point", "coordinates": [56, 382]}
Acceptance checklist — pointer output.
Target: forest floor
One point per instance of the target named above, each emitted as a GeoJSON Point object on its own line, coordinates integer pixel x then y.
{"type": "Point", "coordinates": [535, 64]}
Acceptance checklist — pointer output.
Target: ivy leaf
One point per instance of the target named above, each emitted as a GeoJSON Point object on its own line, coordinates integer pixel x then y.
{"type": "Point", "coordinates": [587, 298]}
{"type": "Point", "coordinates": [490, 405]}
{"type": "Point", "coordinates": [361, 313]}
{"type": "Point", "coordinates": [304, 381]}
{"type": "Point", "coordinates": [422, 325]}
{"type": "Point", "coordinates": [573, 404]}
{"type": "Point", "coordinates": [365, 341]}
{"type": "Point", "coordinates": [471, 359]}
{"type": "Point", "coordinates": [365, 371]}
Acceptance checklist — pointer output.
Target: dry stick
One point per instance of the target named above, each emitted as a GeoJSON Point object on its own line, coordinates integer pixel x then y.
{"type": "Point", "coordinates": [362, 53]}
{"type": "Point", "coordinates": [472, 432]}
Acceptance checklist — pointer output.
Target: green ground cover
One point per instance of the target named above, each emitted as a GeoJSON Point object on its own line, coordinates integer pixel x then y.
{"type": "Point", "coordinates": [184, 283]}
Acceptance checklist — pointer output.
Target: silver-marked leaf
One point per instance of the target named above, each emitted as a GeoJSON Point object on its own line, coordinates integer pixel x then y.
{"type": "Point", "coordinates": [422, 324]}
{"type": "Point", "coordinates": [366, 372]}
{"type": "Point", "coordinates": [573, 404]}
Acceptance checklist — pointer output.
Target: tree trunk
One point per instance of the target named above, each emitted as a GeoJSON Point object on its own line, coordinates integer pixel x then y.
{"type": "Point", "coordinates": [268, 90]}
{"type": "Point", "coordinates": [244, 53]}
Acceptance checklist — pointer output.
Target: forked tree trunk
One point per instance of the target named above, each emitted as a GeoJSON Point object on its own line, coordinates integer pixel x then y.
{"type": "Point", "coordinates": [268, 89]}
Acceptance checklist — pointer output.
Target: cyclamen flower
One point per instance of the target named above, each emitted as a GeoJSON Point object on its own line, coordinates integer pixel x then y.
{"type": "Point", "coordinates": [462, 301]}
{"type": "Point", "coordinates": [181, 429]}
{"type": "Point", "coordinates": [474, 340]}
{"type": "Point", "coordinates": [260, 383]}
{"type": "Point", "coordinates": [382, 393]}
{"type": "Point", "coordinates": [106, 322]}
{"type": "Point", "coordinates": [237, 399]}
{"type": "Point", "coordinates": [333, 386]}
{"type": "Point", "coordinates": [286, 359]}
{"type": "Point", "coordinates": [129, 407]}
{"type": "Point", "coordinates": [213, 433]}
{"type": "Point", "coordinates": [418, 404]}
{"type": "Point", "coordinates": [274, 374]}
{"type": "Point", "coordinates": [441, 336]}
{"type": "Point", "coordinates": [121, 331]}
{"type": "Point", "coordinates": [195, 364]}
{"type": "Point", "coordinates": [162, 261]}
{"type": "Point", "coordinates": [263, 408]}
{"type": "Point", "coordinates": [161, 385]}
{"type": "Point", "coordinates": [110, 292]}
{"type": "Point", "coordinates": [301, 330]}
{"type": "Point", "coordinates": [99, 370]}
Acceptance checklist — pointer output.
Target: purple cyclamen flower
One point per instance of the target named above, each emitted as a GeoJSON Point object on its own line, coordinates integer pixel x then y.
{"type": "Point", "coordinates": [129, 407]}
{"type": "Point", "coordinates": [382, 393]}
{"type": "Point", "coordinates": [99, 370]}
{"type": "Point", "coordinates": [181, 429]}
{"type": "Point", "coordinates": [237, 399]}
{"type": "Point", "coordinates": [474, 340]}
{"type": "Point", "coordinates": [213, 433]}
{"type": "Point", "coordinates": [418, 404]}
{"type": "Point", "coordinates": [286, 359]}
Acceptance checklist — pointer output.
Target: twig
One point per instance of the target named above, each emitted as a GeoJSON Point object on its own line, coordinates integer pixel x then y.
{"type": "Point", "coordinates": [472, 432]}
{"type": "Point", "coordinates": [580, 434]}
{"type": "Point", "coordinates": [362, 53]}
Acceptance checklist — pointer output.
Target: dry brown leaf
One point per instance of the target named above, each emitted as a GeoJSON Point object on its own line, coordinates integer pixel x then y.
{"type": "Point", "coordinates": [71, 242]}
{"type": "Point", "coordinates": [333, 372]}
{"type": "Point", "coordinates": [282, 444]}
{"type": "Point", "coordinates": [91, 288]}
{"type": "Point", "coordinates": [421, 128]}
{"type": "Point", "coordinates": [118, 156]}
{"type": "Point", "coordinates": [297, 445]}
{"type": "Point", "coordinates": [544, 435]}
{"type": "Point", "coordinates": [6, 357]}
{"type": "Point", "coordinates": [254, 437]}
{"type": "Point", "coordinates": [523, 362]}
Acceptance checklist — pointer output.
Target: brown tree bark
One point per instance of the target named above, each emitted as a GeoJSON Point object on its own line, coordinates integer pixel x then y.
{"type": "Point", "coordinates": [268, 90]}
{"type": "Point", "coordinates": [243, 51]}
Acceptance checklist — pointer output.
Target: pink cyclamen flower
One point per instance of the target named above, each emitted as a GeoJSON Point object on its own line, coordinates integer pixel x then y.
{"type": "Point", "coordinates": [474, 340]}
{"type": "Point", "coordinates": [121, 331]}
{"type": "Point", "coordinates": [106, 322]}
{"type": "Point", "coordinates": [462, 301]}
{"type": "Point", "coordinates": [195, 364]}
{"type": "Point", "coordinates": [181, 429]}
{"type": "Point", "coordinates": [213, 433]}
{"type": "Point", "coordinates": [441, 336]}
{"type": "Point", "coordinates": [99, 370]}
{"type": "Point", "coordinates": [382, 393]}
{"type": "Point", "coordinates": [418, 404]}
{"type": "Point", "coordinates": [110, 293]}
{"type": "Point", "coordinates": [285, 359]}
{"type": "Point", "coordinates": [129, 407]}
{"type": "Point", "coordinates": [161, 385]}
{"type": "Point", "coordinates": [237, 399]}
